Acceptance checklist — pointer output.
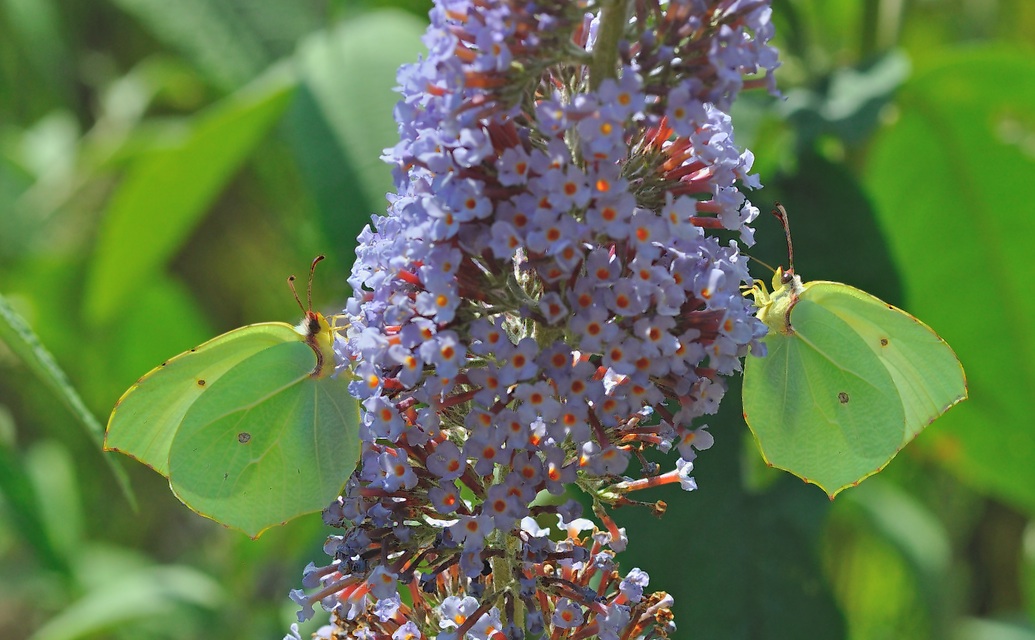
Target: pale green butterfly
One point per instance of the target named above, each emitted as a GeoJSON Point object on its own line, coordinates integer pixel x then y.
{"type": "Point", "coordinates": [847, 382]}
{"type": "Point", "coordinates": [251, 428]}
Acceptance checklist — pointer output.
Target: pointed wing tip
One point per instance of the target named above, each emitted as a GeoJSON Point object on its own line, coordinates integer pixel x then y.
{"type": "Point", "coordinates": [836, 492]}
{"type": "Point", "coordinates": [964, 395]}
{"type": "Point", "coordinates": [831, 494]}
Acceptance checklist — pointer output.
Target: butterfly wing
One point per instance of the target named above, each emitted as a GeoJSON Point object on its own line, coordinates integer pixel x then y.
{"type": "Point", "coordinates": [821, 404]}
{"type": "Point", "coordinates": [267, 442]}
{"type": "Point", "coordinates": [148, 415]}
{"type": "Point", "coordinates": [927, 374]}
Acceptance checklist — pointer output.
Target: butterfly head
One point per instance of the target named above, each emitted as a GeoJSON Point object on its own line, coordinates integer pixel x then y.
{"type": "Point", "coordinates": [786, 280]}
{"type": "Point", "coordinates": [774, 308]}
{"type": "Point", "coordinates": [318, 332]}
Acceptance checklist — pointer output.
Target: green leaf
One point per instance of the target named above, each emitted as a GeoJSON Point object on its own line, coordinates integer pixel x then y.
{"type": "Point", "coordinates": [164, 195]}
{"type": "Point", "coordinates": [906, 523]}
{"type": "Point", "coordinates": [17, 335]}
{"type": "Point", "coordinates": [22, 504]}
{"type": "Point", "coordinates": [945, 179]}
{"type": "Point", "coordinates": [342, 119]}
{"type": "Point", "coordinates": [138, 343]}
{"type": "Point", "coordinates": [133, 596]}
{"type": "Point", "coordinates": [37, 25]}
{"type": "Point", "coordinates": [209, 32]}
{"type": "Point", "coordinates": [891, 556]}
{"type": "Point", "coordinates": [979, 629]}
{"type": "Point", "coordinates": [51, 467]}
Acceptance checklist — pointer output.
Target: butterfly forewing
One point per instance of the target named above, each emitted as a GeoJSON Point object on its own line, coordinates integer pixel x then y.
{"type": "Point", "coordinates": [927, 375]}
{"type": "Point", "coordinates": [146, 418]}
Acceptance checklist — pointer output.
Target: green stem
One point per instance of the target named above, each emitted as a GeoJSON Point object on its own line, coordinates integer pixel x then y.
{"type": "Point", "coordinates": [614, 16]}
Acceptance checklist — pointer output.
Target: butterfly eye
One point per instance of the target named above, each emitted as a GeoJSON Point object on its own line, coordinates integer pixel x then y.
{"type": "Point", "coordinates": [313, 324]}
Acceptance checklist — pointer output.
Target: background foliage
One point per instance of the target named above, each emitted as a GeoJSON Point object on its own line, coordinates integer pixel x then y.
{"type": "Point", "coordinates": [165, 166]}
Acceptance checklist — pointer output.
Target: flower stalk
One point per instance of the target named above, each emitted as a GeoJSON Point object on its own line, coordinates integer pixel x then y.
{"type": "Point", "coordinates": [614, 18]}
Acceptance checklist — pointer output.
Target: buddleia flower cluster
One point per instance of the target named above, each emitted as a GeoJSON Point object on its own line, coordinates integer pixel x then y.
{"type": "Point", "coordinates": [555, 289]}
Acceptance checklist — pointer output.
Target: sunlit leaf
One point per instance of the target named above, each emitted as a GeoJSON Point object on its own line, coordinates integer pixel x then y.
{"type": "Point", "coordinates": [166, 194]}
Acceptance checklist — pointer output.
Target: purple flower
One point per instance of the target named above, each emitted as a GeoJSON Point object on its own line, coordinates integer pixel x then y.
{"type": "Point", "coordinates": [567, 614]}
{"type": "Point", "coordinates": [552, 290]}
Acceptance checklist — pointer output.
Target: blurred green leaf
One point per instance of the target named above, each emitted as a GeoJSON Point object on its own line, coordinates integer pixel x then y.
{"type": "Point", "coordinates": [26, 346]}
{"type": "Point", "coordinates": [919, 538]}
{"type": "Point", "coordinates": [164, 320]}
{"type": "Point", "coordinates": [133, 596]}
{"type": "Point", "coordinates": [877, 590]}
{"type": "Point", "coordinates": [846, 104]}
{"type": "Point", "coordinates": [977, 629]}
{"type": "Point", "coordinates": [52, 471]}
{"type": "Point", "coordinates": [209, 32]}
{"type": "Point", "coordinates": [164, 195]}
{"type": "Point", "coordinates": [15, 224]}
{"type": "Point", "coordinates": [908, 525]}
{"type": "Point", "coordinates": [17, 335]}
{"type": "Point", "coordinates": [816, 30]}
{"type": "Point", "coordinates": [22, 506]}
{"type": "Point", "coordinates": [342, 119]}
{"type": "Point", "coordinates": [945, 179]}
{"type": "Point", "coordinates": [36, 24]}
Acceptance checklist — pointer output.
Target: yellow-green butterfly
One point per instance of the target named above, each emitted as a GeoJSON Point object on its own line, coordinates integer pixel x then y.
{"type": "Point", "coordinates": [251, 428]}
{"type": "Point", "coordinates": [848, 379]}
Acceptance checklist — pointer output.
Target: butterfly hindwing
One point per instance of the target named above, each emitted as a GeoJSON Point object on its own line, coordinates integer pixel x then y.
{"type": "Point", "coordinates": [267, 443]}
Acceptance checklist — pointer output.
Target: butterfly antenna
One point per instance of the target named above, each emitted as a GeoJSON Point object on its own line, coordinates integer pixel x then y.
{"type": "Point", "coordinates": [309, 288]}
{"type": "Point", "coordinates": [761, 262]}
{"type": "Point", "coordinates": [781, 215]}
{"type": "Point", "coordinates": [291, 283]}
